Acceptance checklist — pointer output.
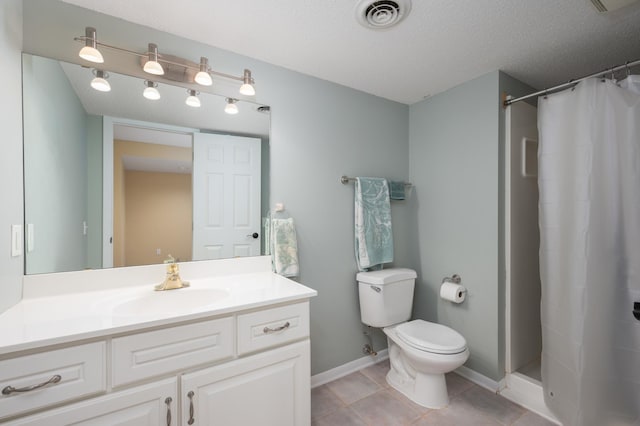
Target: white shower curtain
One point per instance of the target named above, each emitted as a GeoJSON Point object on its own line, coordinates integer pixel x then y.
{"type": "Point", "coordinates": [589, 181]}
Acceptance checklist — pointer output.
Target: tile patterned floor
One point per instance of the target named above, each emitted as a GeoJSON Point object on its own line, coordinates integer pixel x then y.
{"type": "Point", "coordinates": [364, 398]}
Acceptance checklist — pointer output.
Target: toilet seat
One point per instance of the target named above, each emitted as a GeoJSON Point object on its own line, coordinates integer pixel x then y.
{"type": "Point", "coordinates": [431, 337]}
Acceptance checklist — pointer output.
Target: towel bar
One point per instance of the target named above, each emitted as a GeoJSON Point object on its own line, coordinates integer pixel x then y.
{"type": "Point", "coordinates": [346, 179]}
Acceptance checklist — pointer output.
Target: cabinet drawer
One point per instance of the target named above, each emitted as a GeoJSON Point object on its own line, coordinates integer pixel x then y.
{"type": "Point", "coordinates": [152, 404]}
{"type": "Point", "coordinates": [272, 327]}
{"type": "Point", "coordinates": [81, 370]}
{"type": "Point", "coordinates": [144, 355]}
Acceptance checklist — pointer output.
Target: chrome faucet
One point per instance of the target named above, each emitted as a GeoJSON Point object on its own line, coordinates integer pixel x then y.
{"type": "Point", "coordinates": [172, 280]}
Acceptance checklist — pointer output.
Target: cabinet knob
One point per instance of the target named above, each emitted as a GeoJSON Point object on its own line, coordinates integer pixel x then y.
{"type": "Point", "coordinates": [255, 235]}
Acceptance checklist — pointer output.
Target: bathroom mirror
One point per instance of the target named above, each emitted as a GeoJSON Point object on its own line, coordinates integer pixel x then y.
{"type": "Point", "coordinates": [114, 179]}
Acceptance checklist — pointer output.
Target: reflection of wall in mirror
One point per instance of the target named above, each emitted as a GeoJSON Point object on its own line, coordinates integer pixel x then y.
{"type": "Point", "coordinates": [158, 217]}
{"type": "Point", "coordinates": [123, 241]}
{"type": "Point", "coordinates": [55, 169]}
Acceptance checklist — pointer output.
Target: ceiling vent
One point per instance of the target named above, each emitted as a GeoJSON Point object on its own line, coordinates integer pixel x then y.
{"type": "Point", "coordinates": [609, 5]}
{"type": "Point", "coordinates": [381, 14]}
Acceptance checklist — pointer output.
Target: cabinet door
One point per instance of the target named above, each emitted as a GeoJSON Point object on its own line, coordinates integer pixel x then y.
{"type": "Point", "coordinates": [268, 389]}
{"type": "Point", "coordinates": [154, 404]}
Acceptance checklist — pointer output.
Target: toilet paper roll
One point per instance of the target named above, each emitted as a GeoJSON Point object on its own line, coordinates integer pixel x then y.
{"type": "Point", "coordinates": [453, 292]}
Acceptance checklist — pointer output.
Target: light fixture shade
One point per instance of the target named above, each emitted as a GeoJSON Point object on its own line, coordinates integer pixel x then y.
{"type": "Point", "coordinates": [231, 107]}
{"type": "Point", "coordinates": [203, 77]}
{"type": "Point", "coordinates": [90, 50]}
{"type": "Point", "coordinates": [100, 82]}
{"type": "Point", "coordinates": [192, 99]}
{"type": "Point", "coordinates": [151, 92]}
{"type": "Point", "coordinates": [152, 66]}
{"type": "Point", "coordinates": [247, 85]}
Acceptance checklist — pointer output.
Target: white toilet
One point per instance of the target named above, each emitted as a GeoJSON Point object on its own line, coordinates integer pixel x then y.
{"type": "Point", "coordinates": [420, 352]}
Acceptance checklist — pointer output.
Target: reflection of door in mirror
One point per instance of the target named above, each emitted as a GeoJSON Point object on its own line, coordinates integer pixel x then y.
{"type": "Point", "coordinates": [158, 200]}
{"type": "Point", "coordinates": [152, 197]}
{"type": "Point", "coordinates": [227, 182]}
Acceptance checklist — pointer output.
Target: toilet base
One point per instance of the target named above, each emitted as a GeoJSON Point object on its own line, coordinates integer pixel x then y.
{"type": "Point", "coordinates": [427, 390]}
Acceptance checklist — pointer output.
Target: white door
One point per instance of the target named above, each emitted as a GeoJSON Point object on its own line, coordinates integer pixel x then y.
{"type": "Point", "coordinates": [226, 194]}
{"type": "Point", "coordinates": [267, 389]}
{"type": "Point", "coordinates": [523, 239]}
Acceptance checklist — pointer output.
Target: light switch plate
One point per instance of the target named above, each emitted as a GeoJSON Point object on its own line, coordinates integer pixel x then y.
{"type": "Point", "coordinates": [16, 240]}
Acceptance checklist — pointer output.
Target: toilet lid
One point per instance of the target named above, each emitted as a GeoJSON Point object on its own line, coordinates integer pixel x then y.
{"type": "Point", "coordinates": [431, 337]}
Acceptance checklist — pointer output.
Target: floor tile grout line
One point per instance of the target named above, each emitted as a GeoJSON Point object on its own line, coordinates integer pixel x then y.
{"type": "Point", "coordinates": [521, 416]}
{"type": "Point", "coordinates": [360, 397]}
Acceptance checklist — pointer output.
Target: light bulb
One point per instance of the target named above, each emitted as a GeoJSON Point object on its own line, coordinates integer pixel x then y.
{"type": "Point", "coordinates": [192, 99]}
{"type": "Point", "coordinates": [231, 107]}
{"type": "Point", "coordinates": [152, 66]}
{"type": "Point", "coordinates": [150, 92]}
{"type": "Point", "coordinates": [90, 51]}
{"type": "Point", "coordinates": [247, 90]}
{"type": "Point", "coordinates": [100, 82]}
{"type": "Point", "coordinates": [247, 85]}
{"type": "Point", "coordinates": [203, 77]}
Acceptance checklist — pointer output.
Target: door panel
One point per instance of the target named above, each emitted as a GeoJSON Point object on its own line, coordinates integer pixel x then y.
{"type": "Point", "coordinates": [226, 185]}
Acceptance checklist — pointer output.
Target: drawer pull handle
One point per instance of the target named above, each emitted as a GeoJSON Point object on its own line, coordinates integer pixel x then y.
{"type": "Point", "coordinates": [8, 390]}
{"type": "Point", "coordinates": [191, 419]}
{"type": "Point", "coordinates": [168, 402]}
{"type": "Point", "coordinates": [268, 330]}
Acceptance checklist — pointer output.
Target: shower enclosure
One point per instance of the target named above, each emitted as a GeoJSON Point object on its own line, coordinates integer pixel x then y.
{"type": "Point", "coordinates": [589, 253]}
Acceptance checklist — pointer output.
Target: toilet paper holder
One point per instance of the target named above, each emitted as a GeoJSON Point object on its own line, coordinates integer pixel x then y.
{"type": "Point", "coordinates": [455, 278]}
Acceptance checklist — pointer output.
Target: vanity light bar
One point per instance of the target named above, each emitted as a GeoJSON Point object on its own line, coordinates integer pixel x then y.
{"type": "Point", "coordinates": [247, 87]}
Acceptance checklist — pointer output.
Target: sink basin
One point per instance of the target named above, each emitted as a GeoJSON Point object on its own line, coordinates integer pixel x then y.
{"type": "Point", "coordinates": [183, 300]}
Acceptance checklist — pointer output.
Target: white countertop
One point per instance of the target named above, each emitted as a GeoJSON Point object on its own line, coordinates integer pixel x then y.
{"type": "Point", "coordinates": [54, 319]}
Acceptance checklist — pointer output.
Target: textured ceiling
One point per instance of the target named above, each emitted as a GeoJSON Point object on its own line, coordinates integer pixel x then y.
{"type": "Point", "coordinates": [440, 44]}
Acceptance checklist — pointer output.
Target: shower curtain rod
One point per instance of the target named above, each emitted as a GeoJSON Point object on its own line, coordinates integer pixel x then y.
{"type": "Point", "coordinates": [508, 102]}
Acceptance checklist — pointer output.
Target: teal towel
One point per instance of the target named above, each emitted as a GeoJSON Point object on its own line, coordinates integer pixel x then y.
{"type": "Point", "coordinates": [397, 190]}
{"type": "Point", "coordinates": [373, 236]}
{"type": "Point", "coordinates": [284, 256]}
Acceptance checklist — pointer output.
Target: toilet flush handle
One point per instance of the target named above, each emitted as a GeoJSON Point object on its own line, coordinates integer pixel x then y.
{"type": "Point", "coordinates": [377, 289]}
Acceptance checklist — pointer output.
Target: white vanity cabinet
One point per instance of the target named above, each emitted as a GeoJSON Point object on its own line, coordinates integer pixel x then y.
{"type": "Point", "coordinates": [240, 368]}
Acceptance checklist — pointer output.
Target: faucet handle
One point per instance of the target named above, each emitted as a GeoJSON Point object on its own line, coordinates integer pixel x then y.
{"type": "Point", "coordinates": [170, 259]}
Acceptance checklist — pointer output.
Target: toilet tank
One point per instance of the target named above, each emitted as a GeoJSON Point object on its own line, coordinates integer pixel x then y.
{"type": "Point", "coordinates": [386, 296]}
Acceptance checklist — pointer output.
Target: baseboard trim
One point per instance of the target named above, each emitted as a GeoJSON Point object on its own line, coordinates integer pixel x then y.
{"type": "Point", "coordinates": [480, 379]}
{"type": "Point", "coordinates": [348, 368]}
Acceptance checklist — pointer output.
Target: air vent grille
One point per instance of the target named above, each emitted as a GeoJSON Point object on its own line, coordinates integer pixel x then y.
{"type": "Point", "coordinates": [609, 5]}
{"type": "Point", "coordinates": [381, 14]}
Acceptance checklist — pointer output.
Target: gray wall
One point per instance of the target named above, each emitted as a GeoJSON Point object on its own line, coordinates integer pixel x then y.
{"type": "Point", "coordinates": [454, 164]}
{"type": "Point", "coordinates": [11, 213]}
{"type": "Point", "coordinates": [456, 142]}
{"type": "Point", "coordinates": [55, 145]}
{"type": "Point", "coordinates": [319, 131]}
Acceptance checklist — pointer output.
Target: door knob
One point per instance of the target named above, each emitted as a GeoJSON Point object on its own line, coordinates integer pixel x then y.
{"type": "Point", "coordinates": [254, 235]}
